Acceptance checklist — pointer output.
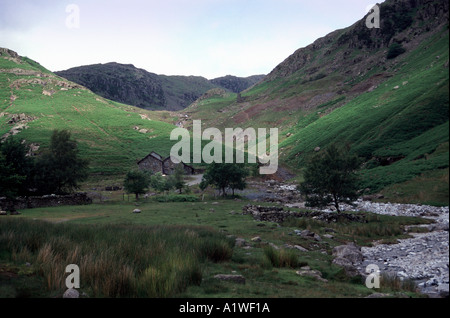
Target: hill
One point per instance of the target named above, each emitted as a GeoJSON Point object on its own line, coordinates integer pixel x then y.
{"type": "Point", "coordinates": [383, 92]}
{"type": "Point", "coordinates": [34, 101]}
{"type": "Point", "coordinates": [127, 84]}
{"type": "Point", "coordinates": [236, 84]}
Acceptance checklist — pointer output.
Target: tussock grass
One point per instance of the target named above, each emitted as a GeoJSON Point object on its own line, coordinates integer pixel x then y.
{"type": "Point", "coordinates": [391, 282]}
{"type": "Point", "coordinates": [283, 257]}
{"type": "Point", "coordinates": [115, 260]}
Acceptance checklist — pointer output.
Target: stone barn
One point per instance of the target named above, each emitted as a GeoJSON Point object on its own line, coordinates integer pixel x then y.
{"type": "Point", "coordinates": [154, 163]}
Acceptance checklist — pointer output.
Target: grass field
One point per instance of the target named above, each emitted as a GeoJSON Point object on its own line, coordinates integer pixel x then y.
{"type": "Point", "coordinates": [174, 249]}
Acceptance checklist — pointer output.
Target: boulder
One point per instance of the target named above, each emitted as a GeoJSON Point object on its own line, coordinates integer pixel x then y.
{"type": "Point", "coordinates": [240, 242]}
{"type": "Point", "coordinates": [347, 256]}
{"type": "Point", "coordinates": [71, 293]}
{"type": "Point", "coordinates": [306, 271]}
{"type": "Point", "coordinates": [351, 252]}
{"type": "Point", "coordinates": [300, 248]}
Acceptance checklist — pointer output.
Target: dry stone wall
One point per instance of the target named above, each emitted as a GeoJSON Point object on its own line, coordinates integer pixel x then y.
{"type": "Point", "coordinates": [22, 203]}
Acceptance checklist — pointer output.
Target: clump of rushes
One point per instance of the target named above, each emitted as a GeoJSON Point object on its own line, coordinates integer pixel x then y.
{"type": "Point", "coordinates": [115, 260]}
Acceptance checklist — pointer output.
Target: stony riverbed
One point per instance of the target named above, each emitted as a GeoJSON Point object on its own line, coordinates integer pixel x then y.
{"type": "Point", "coordinates": [424, 258]}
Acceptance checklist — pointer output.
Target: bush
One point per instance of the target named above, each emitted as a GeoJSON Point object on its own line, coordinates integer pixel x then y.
{"type": "Point", "coordinates": [177, 198]}
{"type": "Point", "coordinates": [395, 50]}
{"type": "Point", "coordinates": [283, 258]}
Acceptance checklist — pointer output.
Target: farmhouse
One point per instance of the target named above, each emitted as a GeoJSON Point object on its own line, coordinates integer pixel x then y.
{"type": "Point", "coordinates": [154, 162]}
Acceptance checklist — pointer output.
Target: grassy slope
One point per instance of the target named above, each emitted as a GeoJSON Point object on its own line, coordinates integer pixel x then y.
{"type": "Point", "coordinates": [405, 116]}
{"type": "Point", "coordinates": [104, 129]}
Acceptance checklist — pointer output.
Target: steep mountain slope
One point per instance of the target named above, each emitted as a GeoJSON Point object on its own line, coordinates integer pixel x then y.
{"type": "Point", "coordinates": [349, 87]}
{"type": "Point", "coordinates": [34, 101]}
{"type": "Point", "coordinates": [127, 84]}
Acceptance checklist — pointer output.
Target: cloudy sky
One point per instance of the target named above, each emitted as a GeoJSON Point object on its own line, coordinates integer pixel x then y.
{"type": "Point", "coordinates": [209, 38]}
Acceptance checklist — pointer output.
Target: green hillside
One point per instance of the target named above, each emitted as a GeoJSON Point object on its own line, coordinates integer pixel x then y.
{"type": "Point", "coordinates": [345, 88]}
{"type": "Point", "coordinates": [34, 101]}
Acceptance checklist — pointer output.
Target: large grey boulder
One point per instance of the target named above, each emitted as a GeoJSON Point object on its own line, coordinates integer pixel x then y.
{"type": "Point", "coordinates": [351, 252]}
{"type": "Point", "coordinates": [71, 293]}
{"type": "Point", "coordinates": [347, 256]}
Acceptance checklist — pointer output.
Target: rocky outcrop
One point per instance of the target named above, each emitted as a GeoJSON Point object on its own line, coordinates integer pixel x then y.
{"type": "Point", "coordinates": [19, 122]}
{"type": "Point", "coordinates": [120, 82]}
{"type": "Point", "coordinates": [400, 21]}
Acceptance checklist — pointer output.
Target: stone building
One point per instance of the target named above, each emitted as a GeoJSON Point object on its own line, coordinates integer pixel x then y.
{"type": "Point", "coordinates": [154, 163]}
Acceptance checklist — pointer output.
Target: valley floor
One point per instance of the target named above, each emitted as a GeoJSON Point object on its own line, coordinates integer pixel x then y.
{"type": "Point", "coordinates": [421, 256]}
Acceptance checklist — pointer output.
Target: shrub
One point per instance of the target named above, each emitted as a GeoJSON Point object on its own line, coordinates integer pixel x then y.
{"type": "Point", "coordinates": [177, 198]}
{"type": "Point", "coordinates": [395, 50]}
{"type": "Point", "coordinates": [283, 258]}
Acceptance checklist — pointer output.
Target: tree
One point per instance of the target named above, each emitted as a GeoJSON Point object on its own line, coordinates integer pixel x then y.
{"type": "Point", "coordinates": [137, 182]}
{"type": "Point", "coordinates": [11, 182]}
{"type": "Point", "coordinates": [60, 169]}
{"type": "Point", "coordinates": [177, 178]}
{"type": "Point", "coordinates": [330, 177]}
{"type": "Point", "coordinates": [238, 174]}
{"type": "Point", "coordinates": [224, 175]}
{"type": "Point", "coordinates": [157, 182]}
{"type": "Point", "coordinates": [18, 165]}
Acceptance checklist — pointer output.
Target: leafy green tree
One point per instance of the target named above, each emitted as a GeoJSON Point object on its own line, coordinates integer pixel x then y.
{"type": "Point", "coordinates": [18, 164]}
{"type": "Point", "coordinates": [11, 182]}
{"type": "Point", "coordinates": [238, 174]}
{"type": "Point", "coordinates": [177, 178]}
{"type": "Point", "coordinates": [225, 175]}
{"type": "Point", "coordinates": [137, 182]}
{"type": "Point", "coordinates": [161, 183]}
{"type": "Point", "coordinates": [330, 177]}
{"type": "Point", "coordinates": [157, 182]}
{"type": "Point", "coordinates": [60, 169]}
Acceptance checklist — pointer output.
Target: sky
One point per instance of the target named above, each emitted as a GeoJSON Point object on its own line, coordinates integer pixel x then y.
{"type": "Point", "coordinates": [209, 38]}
